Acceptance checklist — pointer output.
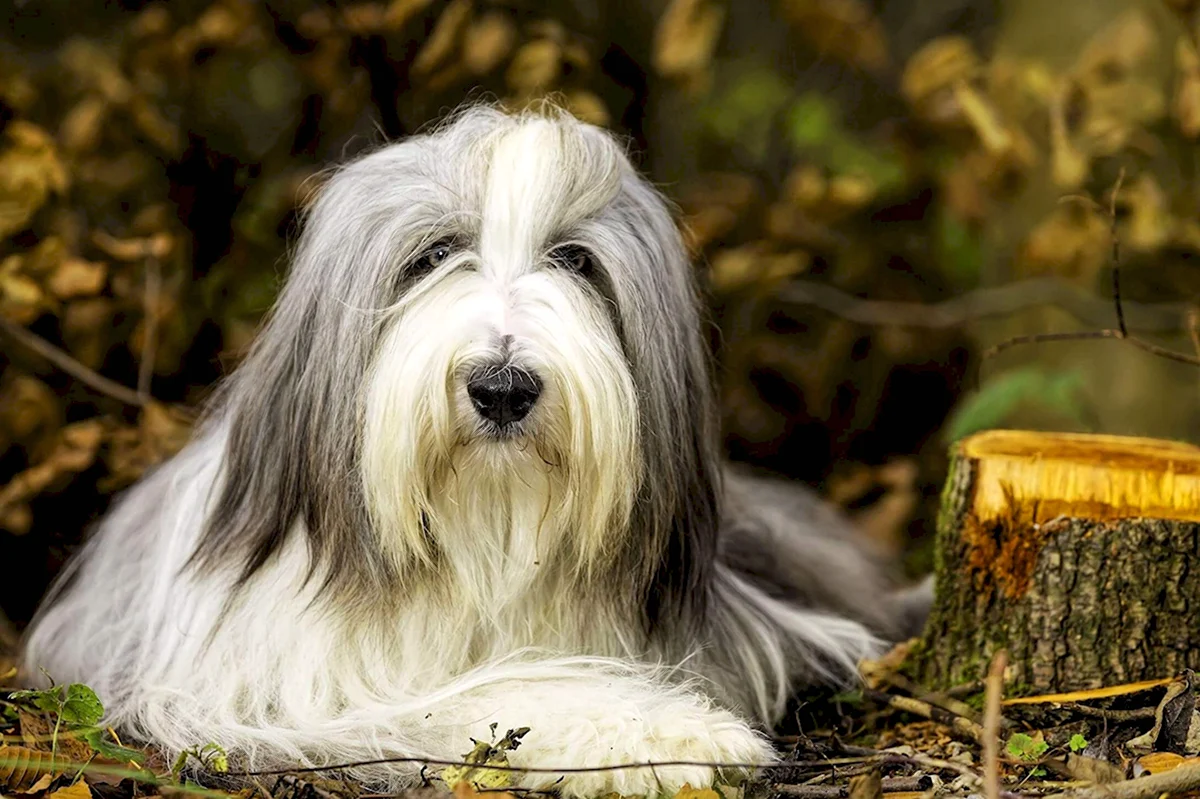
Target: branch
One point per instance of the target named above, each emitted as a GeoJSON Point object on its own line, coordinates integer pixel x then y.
{"type": "Point", "coordinates": [1176, 781]}
{"type": "Point", "coordinates": [68, 364]}
{"type": "Point", "coordinates": [981, 304]}
{"type": "Point", "coordinates": [991, 725]}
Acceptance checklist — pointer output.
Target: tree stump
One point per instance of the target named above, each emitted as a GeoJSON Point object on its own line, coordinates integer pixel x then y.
{"type": "Point", "coordinates": [1079, 554]}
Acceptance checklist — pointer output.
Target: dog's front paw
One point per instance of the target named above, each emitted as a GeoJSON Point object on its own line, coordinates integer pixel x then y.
{"type": "Point", "coordinates": [696, 736]}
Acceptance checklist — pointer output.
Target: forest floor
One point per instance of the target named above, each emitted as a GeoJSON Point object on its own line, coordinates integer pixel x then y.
{"type": "Point", "coordinates": [888, 739]}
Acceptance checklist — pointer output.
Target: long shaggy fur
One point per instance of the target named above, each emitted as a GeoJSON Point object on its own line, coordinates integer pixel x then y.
{"type": "Point", "coordinates": [348, 562]}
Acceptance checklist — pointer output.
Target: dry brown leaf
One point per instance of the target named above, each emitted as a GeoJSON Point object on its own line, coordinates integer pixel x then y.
{"type": "Point", "coordinates": [156, 246]}
{"type": "Point", "coordinates": [87, 329]}
{"type": "Point", "coordinates": [22, 767]}
{"type": "Point", "coordinates": [443, 40]}
{"type": "Point", "coordinates": [363, 19]}
{"type": "Point", "coordinates": [75, 450]}
{"type": "Point", "coordinates": [1091, 693]}
{"type": "Point", "coordinates": [29, 410]}
{"type": "Point", "coordinates": [161, 432]}
{"type": "Point", "coordinates": [587, 106]}
{"type": "Point", "coordinates": [844, 29]}
{"type": "Point", "coordinates": [43, 782]}
{"type": "Point", "coordinates": [753, 266]}
{"type": "Point", "coordinates": [30, 171]}
{"type": "Point", "coordinates": [932, 73]}
{"type": "Point", "coordinates": [535, 67]}
{"type": "Point", "coordinates": [400, 12]}
{"type": "Point", "coordinates": [77, 790]}
{"type": "Point", "coordinates": [688, 792]}
{"type": "Point", "coordinates": [487, 42]}
{"type": "Point", "coordinates": [686, 37]}
{"type": "Point", "coordinates": [1072, 242]}
{"type": "Point", "coordinates": [76, 277]}
{"type": "Point", "coordinates": [1187, 88]}
{"type": "Point", "coordinates": [83, 125]}
{"type": "Point", "coordinates": [1160, 762]}
{"type": "Point", "coordinates": [21, 298]}
{"type": "Point", "coordinates": [1149, 225]}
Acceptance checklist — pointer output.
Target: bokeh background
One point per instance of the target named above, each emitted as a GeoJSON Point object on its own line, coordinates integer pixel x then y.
{"type": "Point", "coordinates": [876, 192]}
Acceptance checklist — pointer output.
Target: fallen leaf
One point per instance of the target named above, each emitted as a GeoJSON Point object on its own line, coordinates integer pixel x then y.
{"type": "Point", "coordinates": [1187, 88]}
{"type": "Point", "coordinates": [76, 277]}
{"type": "Point", "coordinates": [686, 37]}
{"type": "Point", "coordinates": [76, 790]}
{"type": "Point", "coordinates": [30, 171]}
{"type": "Point", "coordinates": [487, 42]}
{"type": "Point", "coordinates": [844, 29]}
{"type": "Point", "coordinates": [688, 792]}
{"type": "Point", "coordinates": [21, 767]}
{"type": "Point", "coordinates": [535, 67]}
{"type": "Point", "coordinates": [444, 39]}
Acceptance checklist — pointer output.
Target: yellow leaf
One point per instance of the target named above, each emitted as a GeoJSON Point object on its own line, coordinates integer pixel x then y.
{"type": "Point", "coordinates": [76, 277]}
{"type": "Point", "coordinates": [78, 790]}
{"type": "Point", "coordinates": [844, 29]}
{"type": "Point", "coordinates": [1187, 89]}
{"type": "Point", "coordinates": [30, 171]}
{"type": "Point", "coordinates": [686, 37]}
{"type": "Point", "coordinates": [487, 42]}
{"type": "Point", "coordinates": [22, 767]}
{"type": "Point", "coordinates": [688, 792]}
{"type": "Point", "coordinates": [444, 39]}
{"type": "Point", "coordinates": [535, 67]}
{"type": "Point", "coordinates": [400, 12]}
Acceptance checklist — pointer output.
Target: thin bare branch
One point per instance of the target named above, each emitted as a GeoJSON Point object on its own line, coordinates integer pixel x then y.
{"type": "Point", "coordinates": [980, 304]}
{"type": "Point", "coordinates": [991, 724]}
{"type": "Point", "coordinates": [149, 326]}
{"type": "Point", "coordinates": [64, 361]}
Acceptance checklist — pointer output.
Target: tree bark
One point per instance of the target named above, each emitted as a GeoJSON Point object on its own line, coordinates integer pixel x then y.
{"type": "Point", "coordinates": [1074, 553]}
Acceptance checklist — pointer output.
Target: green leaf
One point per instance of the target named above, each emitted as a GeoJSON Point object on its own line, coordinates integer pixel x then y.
{"type": "Point", "coordinates": [959, 251]}
{"type": "Point", "coordinates": [998, 399]}
{"type": "Point", "coordinates": [1038, 772]}
{"type": "Point", "coordinates": [1019, 744]}
{"type": "Point", "coordinates": [82, 707]}
{"type": "Point", "coordinates": [96, 738]}
{"type": "Point", "coordinates": [47, 701]}
{"type": "Point", "coordinates": [812, 121]}
{"type": "Point", "coordinates": [1077, 743]}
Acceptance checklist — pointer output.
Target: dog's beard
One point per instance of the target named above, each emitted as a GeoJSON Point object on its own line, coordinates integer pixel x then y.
{"type": "Point", "coordinates": [551, 493]}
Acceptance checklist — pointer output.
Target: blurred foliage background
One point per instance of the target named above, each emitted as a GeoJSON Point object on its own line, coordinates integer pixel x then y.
{"type": "Point", "coordinates": [876, 191]}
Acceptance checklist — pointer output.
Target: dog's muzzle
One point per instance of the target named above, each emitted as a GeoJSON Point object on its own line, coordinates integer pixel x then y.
{"type": "Point", "coordinates": [504, 395]}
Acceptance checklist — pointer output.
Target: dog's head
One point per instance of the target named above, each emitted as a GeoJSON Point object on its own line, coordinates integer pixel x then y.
{"type": "Point", "coordinates": [500, 309]}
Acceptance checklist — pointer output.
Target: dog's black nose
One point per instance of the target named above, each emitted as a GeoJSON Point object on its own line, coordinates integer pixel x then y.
{"type": "Point", "coordinates": [503, 395]}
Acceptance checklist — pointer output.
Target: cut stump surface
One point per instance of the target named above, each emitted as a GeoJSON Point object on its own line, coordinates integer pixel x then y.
{"type": "Point", "coordinates": [1076, 553]}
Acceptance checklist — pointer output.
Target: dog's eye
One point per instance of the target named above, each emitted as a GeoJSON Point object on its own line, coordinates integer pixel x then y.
{"type": "Point", "coordinates": [434, 257]}
{"type": "Point", "coordinates": [577, 259]}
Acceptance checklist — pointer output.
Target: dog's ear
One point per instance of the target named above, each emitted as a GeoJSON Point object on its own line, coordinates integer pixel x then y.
{"type": "Point", "coordinates": [678, 511]}
{"type": "Point", "coordinates": [289, 416]}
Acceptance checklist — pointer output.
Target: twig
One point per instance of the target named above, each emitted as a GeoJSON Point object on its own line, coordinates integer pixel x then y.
{"type": "Point", "coordinates": [890, 785]}
{"type": "Point", "coordinates": [64, 361]}
{"type": "Point", "coordinates": [1176, 781]}
{"type": "Point", "coordinates": [947, 703]}
{"type": "Point", "coordinates": [981, 304]}
{"type": "Point", "coordinates": [1121, 331]}
{"type": "Point", "coordinates": [991, 725]}
{"type": "Point", "coordinates": [963, 726]}
{"type": "Point", "coordinates": [150, 327]}
{"type": "Point", "coordinates": [1111, 715]}
{"type": "Point", "coordinates": [526, 769]}
{"type": "Point", "coordinates": [1116, 253]}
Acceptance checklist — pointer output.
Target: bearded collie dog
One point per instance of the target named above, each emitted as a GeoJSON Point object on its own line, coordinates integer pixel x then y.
{"type": "Point", "coordinates": [469, 474]}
